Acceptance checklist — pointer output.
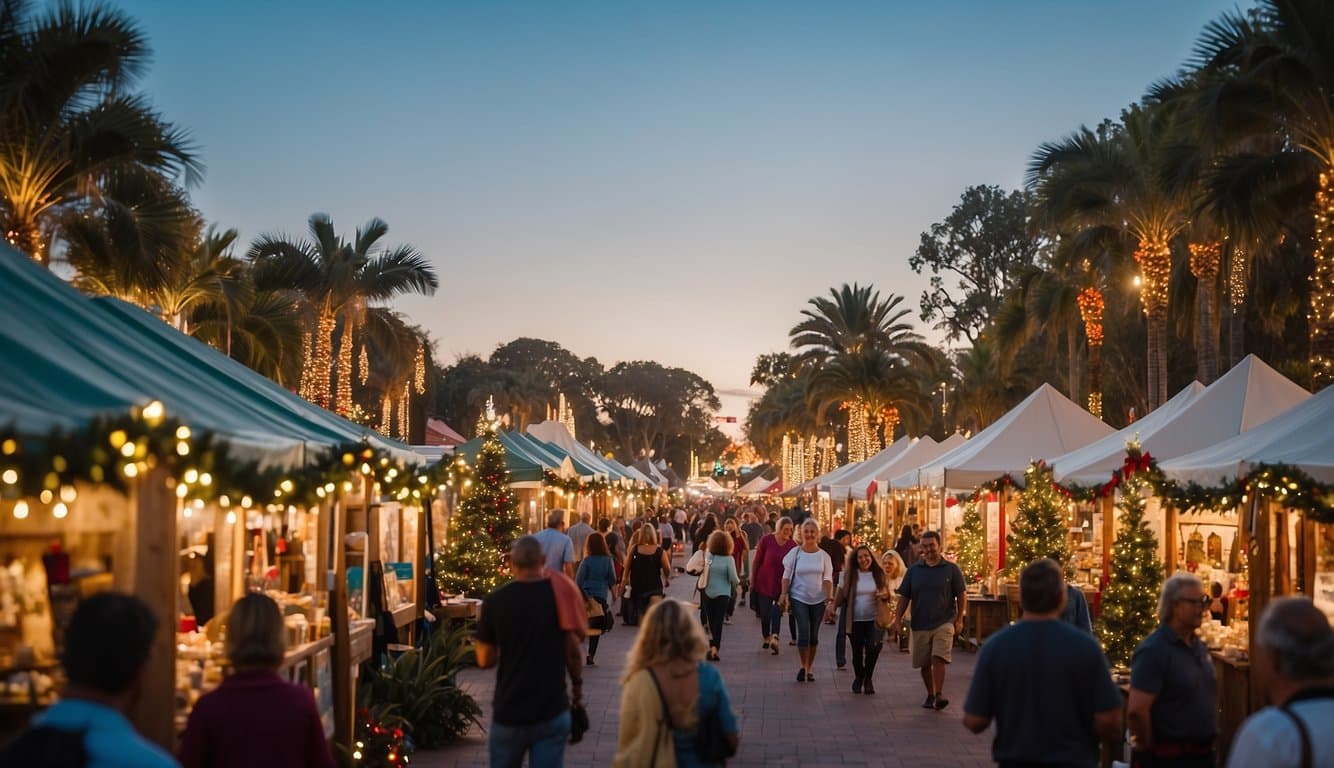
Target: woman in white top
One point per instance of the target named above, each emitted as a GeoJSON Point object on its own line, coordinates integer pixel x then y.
{"type": "Point", "coordinates": [808, 589]}
{"type": "Point", "coordinates": [864, 586]}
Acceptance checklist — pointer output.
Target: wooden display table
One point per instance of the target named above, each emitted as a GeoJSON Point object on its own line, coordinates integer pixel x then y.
{"type": "Point", "coordinates": [1234, 698]}
{"type": "Point", "coordinates": [983, 616]}
{"type": "Point", "coordinates": [462, 609]}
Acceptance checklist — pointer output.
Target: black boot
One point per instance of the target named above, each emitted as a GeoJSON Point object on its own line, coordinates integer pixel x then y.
{"type": "Point", "coordinates": [872, 655]}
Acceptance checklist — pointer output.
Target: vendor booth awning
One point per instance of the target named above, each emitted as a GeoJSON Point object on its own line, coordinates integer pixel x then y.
{"type": "Point", "coordinates": [523, 466]}
{"type": "Point", "coordinates": [922, 450]}
{"type": "Point", "coordinates": [70, 360]}
{"type": "Point", "coordinates": [440, 433]}
{"type": "Point", "coordinates": [821, 482]}
{"type": "Point", "coordinates": [1045, 424]}
{"type": "Point", "coordinates": [760, 485]}
{"type": "Point", "coordinates": [658, 478]}
{"type": "Point", "coordinates": [555, 433]}
{"type": "Point", "coordinates": [1299, 437]}
{"type": "Point", "coordinates": [1245, 397]}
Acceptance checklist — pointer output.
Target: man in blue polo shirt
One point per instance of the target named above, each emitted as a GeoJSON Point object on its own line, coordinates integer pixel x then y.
{"type": "Point", "coordinates": [1044, 682]}
{"type": "Point", "coordinates": [557, 549]}
{"type": "Point", "coordinates": [934, 587]}
{"type": "Point", "coordinates": [1173, 709]}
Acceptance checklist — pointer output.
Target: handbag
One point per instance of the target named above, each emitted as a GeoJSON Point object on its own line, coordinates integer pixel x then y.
{"type": "Point", "coordinates": [712, 744]}
{"type": "Point", "coordinates": [884, 612]}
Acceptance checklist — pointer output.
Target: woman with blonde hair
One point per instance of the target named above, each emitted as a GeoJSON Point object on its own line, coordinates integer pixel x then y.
{"type": "Point", "coordinates": [255, 717]}
{"type": "Point", "coordinates": [808, 590]}
{"type": "Point", "coordinates": [648, 571]}
{"type": "Point", "coordinates": [894, 567]}
{"type": "Point", "coordinates": [667, 691]}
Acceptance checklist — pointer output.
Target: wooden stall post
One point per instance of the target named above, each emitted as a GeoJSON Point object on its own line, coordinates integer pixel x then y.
{"type": "Point", "coordinates": [1261, 582]}
{"type": "Point", "coordinates": [1307, 556]}
{"type": "Point", "coordinates": [1170, 536]}
{"type": "Point", "coordinates": [1108, 503]}
{"type": "Point", "coordinates": [344, 712]}
{"type": "Point", "coordinates": [155, 581]}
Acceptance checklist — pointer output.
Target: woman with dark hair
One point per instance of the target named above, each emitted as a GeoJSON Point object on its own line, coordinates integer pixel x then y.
{"type": "Point", "coordinates": [596, 577]}
{"type": "Point", "coordinates": [706, 530]}
{"type": "Point", "coordinates": [907, 546]}
{"type": "Point", "coordinates": [767, 580]}
{"type": "Point", "coordinates": [740, 550]}
{"type": "Point", "coordinates": [255, 717]}
{"type": "Point", "coordinates": [864, 586]}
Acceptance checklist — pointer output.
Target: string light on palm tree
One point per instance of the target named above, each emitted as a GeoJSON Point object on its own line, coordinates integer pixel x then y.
{"type": "Point", "coordinates": [1090, 312]}
{"type": "Point", "coordinates": [363, 366]}
{"type": "Point", "coordinates": [419, 369]}
{"type": "Point", "coordinates": [1322, 287]}
{"type": "Point", "coordinates": [889, 421]}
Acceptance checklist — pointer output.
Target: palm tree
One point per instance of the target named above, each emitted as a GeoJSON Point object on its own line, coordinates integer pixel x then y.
{"type": "Point", "coordinates": [338, 281]}
{"type": "Point", "coordinates": [70, 121]}
{"type": "Point", "coordinates": [1268, 100]}
{"type": "Point", "coordinates": [1113, 178]}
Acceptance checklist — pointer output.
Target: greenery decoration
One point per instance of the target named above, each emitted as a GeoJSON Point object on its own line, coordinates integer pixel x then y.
{"type": "Point", "coordinates": [422, 686]}
{"type": "Point", "coordinates": [1040, 526]}
{"type": "Point", "coordinates": [1130, 598]}
{"type": "Point", "coordinates": [486, 524]}
{"type": "Point", "coordinates": [971, 554]}
{"type": "Point", "coordinates": [378, 740]}
{"type": "Point", "coordinates": [866, 530]}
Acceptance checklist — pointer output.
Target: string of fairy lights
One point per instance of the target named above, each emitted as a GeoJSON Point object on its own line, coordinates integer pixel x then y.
{"type": "Point", "coordinates": [1091, 307]}
{"type": "Point", "coordinates": [1322, 286]}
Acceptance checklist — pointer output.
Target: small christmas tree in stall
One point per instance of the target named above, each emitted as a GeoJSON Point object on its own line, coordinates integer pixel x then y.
{"type": "Point", "coordinates": [1130, 598]}
{"type": "Point", "coordinates": [971, 555]}
{"type": "Point", "coordinates": [484, 526]}
{"type": "Point", "coordinates": [866, 530]}
{"type": "Point", "coordinates": [1040, 526]}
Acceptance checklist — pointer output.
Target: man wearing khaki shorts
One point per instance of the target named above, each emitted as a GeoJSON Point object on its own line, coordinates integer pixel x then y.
{"type": "Point", "coordinates": [934, 588]}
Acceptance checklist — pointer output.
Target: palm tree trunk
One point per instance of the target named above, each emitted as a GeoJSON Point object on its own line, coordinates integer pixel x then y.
{"type": "Point", "coordinates": [1072, 362]}
{"type": "Point", "coordinates": [1236, 286]}
{"type": "Point", "coordinates": [1157, 356]}
{"type": "Point", "coordinates": [343, 368]}
{"type": "Point", "coordinates": [1322, 287]}
{"type": "Point", "coordinates": [1091, 305]}
{"type": "Point", "coordinates": [1095, 379]}
{"type": "Point", "coordinates": [1204, 262]}
{"type": "Point", "coordinates": [321, 365]}
{"type": "Point", "coordinates": [1236, 336]}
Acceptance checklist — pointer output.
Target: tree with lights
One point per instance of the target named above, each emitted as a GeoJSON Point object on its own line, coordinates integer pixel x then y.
{"type": "Point", "coordinates": [1130, 598]}
{"type": "Point", "coordinates": [971, 554]}
{"type": "Point", "coordinates": [866, 530]}
{"type": "Point", "coordinates": [1040, 527]}
{"type": "Point", "coordinates": [484, 527]}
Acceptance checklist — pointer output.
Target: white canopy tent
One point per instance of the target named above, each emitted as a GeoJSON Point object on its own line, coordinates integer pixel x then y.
{"type": "Point", "coordinates": [1100, 458]}
{"type": "Point", "coordinates": [820, 483]}
{"type": "Point", "coordinates": [1045, 424]}
{"type": "Point", "coordinates": [840, 487]}
{"type": "Point", "coordinates": [922, 451]}
{"type": "Point", "coordinates": [1245, 397]}
{"type": "Point", "coordinates": [555, 432]}
{"type": "Point", "coordinates": [1299, 437]}
{"type": "Point", "coordinates": [759, 485]}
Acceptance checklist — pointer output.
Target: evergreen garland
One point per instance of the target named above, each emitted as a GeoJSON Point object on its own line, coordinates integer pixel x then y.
{"type": "Point", "coordinates": [1040, 526]}
{"type": "Point", "coordinates": [971, 555]}
{"type": "Point", "coordinates": [484, 526]}
{"type": "Point", "coordinates": [1130, 598]}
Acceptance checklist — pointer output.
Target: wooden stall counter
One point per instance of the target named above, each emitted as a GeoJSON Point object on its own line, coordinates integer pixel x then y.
{"type": "Point", "coordinates": [983, 616]}
{"type": "Point", "coordinates": [467, 608]}
{"type": "Point", "coordinates": [1234, 697]}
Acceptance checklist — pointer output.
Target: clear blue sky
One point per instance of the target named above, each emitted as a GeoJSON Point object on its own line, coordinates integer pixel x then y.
{"type": "Point", "coordinates": [634, 180]}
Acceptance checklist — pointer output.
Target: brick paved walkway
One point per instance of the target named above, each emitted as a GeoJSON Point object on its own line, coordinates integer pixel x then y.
{"type": "Point", "coordinates": [783, 723]}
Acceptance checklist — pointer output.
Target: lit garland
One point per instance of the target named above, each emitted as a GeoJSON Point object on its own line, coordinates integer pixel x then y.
{"type": "Point", "coordinates": [363, 366]}
{"type": "Point", "coordinates": [1090, 311]}
{"type": "Point", "coordinates": [1236, 278]}
{"type": "Point", "coordinates": [321, 361]}
{"type": "Point", "coordinates": [485, 525]}
{"type": "Point", "coordinates": [859, 430]}
{"type": "Point", "coordinates": [1322, 287]}
{"type": "Point", "coordinates": [809, 451]}
{"type": "Point", "coordinates": [889, 419]}
{"type": "Point", "coordinates": [1204, 260]}
{"type": "Point", "coordinates": [1130, 596]}
{"type": "Point", "coordinates": [405, 413]}
{"type": "Point", "coordinates": [379, 740]}
{"type": "Point", "coordinates": [1040, 527]}
{"type": "Point", "coordinates": [307, 386]}
{"type": "Point", "coordinates": [828, 455]}
{"type": "Point", "coordinates": [112, 452]}
{"type": "Point", "coordinates": [386, 414]}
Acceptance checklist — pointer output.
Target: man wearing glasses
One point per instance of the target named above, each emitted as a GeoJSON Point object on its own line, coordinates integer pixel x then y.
{"type": "Point", "coordinates": [1172, 712]}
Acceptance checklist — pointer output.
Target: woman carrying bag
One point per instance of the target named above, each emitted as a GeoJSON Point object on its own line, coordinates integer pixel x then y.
{"type": "Point", "coordinates": [675, 711]}
{"type": "Point", "coordinates": [596, 578]}
{"type": "Point", "coordinates": [860, 598]}
{"type": "Point", "coordinates": [648, 571]}
{"type": "Point", "coordinates": [718, 583]}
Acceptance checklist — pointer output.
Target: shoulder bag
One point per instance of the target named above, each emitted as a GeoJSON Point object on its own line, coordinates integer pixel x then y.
{"type": "Point", "coordinates": [711, 742]}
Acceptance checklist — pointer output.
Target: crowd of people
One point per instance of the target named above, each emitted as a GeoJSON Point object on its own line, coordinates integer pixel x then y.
{"type": "Point", "coordinates": [1042, 683]}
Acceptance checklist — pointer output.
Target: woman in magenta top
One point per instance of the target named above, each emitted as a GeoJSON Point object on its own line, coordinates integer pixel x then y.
{"type": "Point", "coordinates": [255, 718]}
{"type": "Point", "coordinates": [767, 579]}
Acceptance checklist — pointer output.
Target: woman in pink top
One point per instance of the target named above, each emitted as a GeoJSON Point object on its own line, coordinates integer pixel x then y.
{"type": "Point", "coordinates": [255, 717]}
{"type": "Point", "coordinates": [767, 579]}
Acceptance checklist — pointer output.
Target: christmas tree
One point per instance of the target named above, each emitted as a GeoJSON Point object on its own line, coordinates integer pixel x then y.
{"type": "Point", "coordinates": [971, 556]}
{"type": "Point", "coordinates": [484, 527]}
{"type": "Point", "coordinates": [1130, 599]}
{"type": "Point", "coordinates": [1040, 526]}
{"type": "Point", "coordinates": [866, 530]}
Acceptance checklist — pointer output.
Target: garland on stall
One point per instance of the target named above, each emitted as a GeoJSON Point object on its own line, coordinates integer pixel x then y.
{"type": "Point", "coordinates": [596, 485]}
{"type": "Point", "coordinates": [1288, 485]}
{"type": "Point", "coordinates": [112, 452]}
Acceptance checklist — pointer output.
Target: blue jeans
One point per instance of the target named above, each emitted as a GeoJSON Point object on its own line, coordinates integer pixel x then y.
{"type": "Point", "coordinates": [808, 622]}
{"type": "Point", "coordinates": [543, 742]}
{"type": "Point", "coordinates": [771, 616]}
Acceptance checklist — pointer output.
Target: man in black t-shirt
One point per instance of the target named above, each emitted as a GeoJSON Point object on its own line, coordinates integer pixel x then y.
{"type": "Point", "coordinates": [520, 631]}
{"type": "Point", "coordinates": [1045, 683]}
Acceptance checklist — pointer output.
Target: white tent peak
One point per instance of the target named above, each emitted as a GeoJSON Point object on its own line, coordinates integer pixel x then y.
{"type": "Point", "coordinates": [1095, 462]}
{"type": "Point", "coordinates": [1046, 423]}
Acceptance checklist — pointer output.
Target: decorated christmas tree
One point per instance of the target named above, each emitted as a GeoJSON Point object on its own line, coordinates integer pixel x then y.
{"type": "Point", "coordinates": [971, 556]}
{"type": "Point", "coordinates": [1130, 599]}
{"type": "Point", "coordinates": [866, 530]}
{"type": "Point", "coordinates": [1040, 526]}
{"type": "Point", "coordinates": [483, 527]}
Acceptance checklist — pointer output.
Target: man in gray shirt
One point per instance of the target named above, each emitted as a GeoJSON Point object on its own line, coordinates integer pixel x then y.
{"type": "Point", "coordinates": [578, 534]}
{"type": "Point", "coordinates": [557, 549]}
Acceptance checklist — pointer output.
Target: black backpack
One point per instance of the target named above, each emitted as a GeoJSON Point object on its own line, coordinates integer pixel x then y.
{"type": "Point", "coordinates": [45, 747]}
